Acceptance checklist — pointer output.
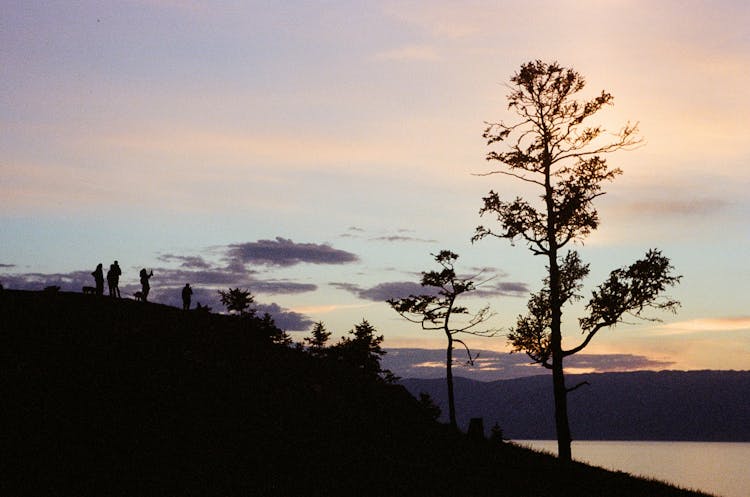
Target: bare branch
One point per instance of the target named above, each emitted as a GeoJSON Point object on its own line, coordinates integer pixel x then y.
{"type": "Point", "coordinates": [577, 386]}
{"type": "Point", "coordinates": [507, 173]}
{"type": "Point", "coordinates": [468, 352]}
{"type": "Point", "coordinates": [586, 341]}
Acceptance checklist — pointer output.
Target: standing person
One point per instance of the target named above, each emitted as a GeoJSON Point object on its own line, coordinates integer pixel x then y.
{"type": "Point", "coordinates": [187, 293]}
{"type": "Point", "coordinates": [145, 287]}
{"type": "Point", "coordinates": [111, 281]}
{"type": "Point", "coordinates": [116, 278]}
{"type": "Point", "coordinates": [98, 275]}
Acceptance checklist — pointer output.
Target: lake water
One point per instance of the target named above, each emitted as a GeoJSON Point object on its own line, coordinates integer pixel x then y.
{"type": "Point", "coordinates": [722, 469]}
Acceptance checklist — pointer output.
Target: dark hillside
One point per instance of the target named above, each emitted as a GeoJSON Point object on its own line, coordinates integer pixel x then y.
{"type": "Point", "coordinates": [115, 397]}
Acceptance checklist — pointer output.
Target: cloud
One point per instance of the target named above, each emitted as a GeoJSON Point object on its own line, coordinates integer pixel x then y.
{"type": "Point", "coordinates": [195, 269]}
{"type": "Point", "coordinates": [72, 281]}
{"type": "Point", "coordinates": [349, 287]}
{"type": "Point", "coordinates": [225, 277]}
{"type": "Point", "coordinates": [401, 289]}
{"type": "Point", "coordinates": [7, 265]}
{"type": "Point", "coordinates": [603, 363]}
{"type": "Point", "coordinates": [284, 318]}
{"type": "Point", "coordinates": [392, 290]}
{"type": "Point", "coordinates": [492, 366]}
{"type": "Point", "coordinates": [285, 252]}
{"type": "Point", "coordinates": [282, 287]}
{"type": "Point", "coordinates": [352, 232]}
{"type": "Point", "coordinates": [212, 276]}
{"type": "Point", "coordinates": [502, 289]}
{"type": "Point", "coordinates": [383, 291]}
{"type": "Point", "coordinates": [401, 235]}
{"type": "Point", "coordinates": [234, 275]}
{"type": "Point", "coordinates": [708, 324]}
{"type": "Point", "coordinates": [401, 238]}
{"type": "Point", "coordinates": [186, 261]}
{"type": "Point", "coordinates": [409, 53]}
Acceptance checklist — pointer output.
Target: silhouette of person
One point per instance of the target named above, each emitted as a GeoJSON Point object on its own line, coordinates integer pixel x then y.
{"type": "Point", "coordinates": [116, 278]}
{"type": "Point", "coordinates": [187, 293]}
{"type": "Point", "coordinates": [98, 275]}
{"type": "Point", "coordinates": [111, 281]}
{"type": "Point", "coordinates": [145, 287]}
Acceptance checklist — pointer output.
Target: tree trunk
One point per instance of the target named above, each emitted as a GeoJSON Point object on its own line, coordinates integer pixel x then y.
{"type": "Point", "coordinates": [562, 426]}
{"type": "Point", "coordinates": [449, 380]}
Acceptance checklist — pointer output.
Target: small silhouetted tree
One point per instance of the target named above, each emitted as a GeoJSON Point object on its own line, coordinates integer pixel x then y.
{"type": "Point", "coordinates": [435, 310]}
{"type": "Point", "coordinates": [496, 434]}
{"type": "Point", "coordinates": [552, 147]}
{"type": "Point", "coordinates": [267, 327]}
{"type": "Point", "coordinates": [319, 339]}
{"type": "Point", "coordinates": [361, 351]}
{"type": "Point", "coordinates": [238, 301]}
{"type": "Point", "coordinates": [428, 406]}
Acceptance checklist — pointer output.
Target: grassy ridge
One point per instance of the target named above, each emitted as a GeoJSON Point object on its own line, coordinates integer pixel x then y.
{"type": "Point", "coordinates": [116, 397]}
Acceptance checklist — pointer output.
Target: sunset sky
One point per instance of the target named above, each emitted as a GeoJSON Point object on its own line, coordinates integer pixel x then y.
{"type": "Point", "coordinates": [317, 153]}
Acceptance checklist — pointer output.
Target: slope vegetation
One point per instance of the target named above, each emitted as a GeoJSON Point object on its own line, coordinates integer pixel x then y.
{"type": "Point", "coordinates": [116, 397]}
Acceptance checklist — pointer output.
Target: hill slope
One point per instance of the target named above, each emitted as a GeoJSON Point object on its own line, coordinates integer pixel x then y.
{"type": "Point", "coordinates": [110, 397]}
{"type": "Point", "coordinates": [644, 405]}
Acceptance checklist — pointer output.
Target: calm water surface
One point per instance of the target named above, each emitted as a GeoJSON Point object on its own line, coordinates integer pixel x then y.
{"type": "Point", "coordinates": [722, 469]}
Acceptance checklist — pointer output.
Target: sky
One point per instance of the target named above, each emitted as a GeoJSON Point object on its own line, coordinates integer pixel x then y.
{"type": "Point", "coordinates": [318, 153]}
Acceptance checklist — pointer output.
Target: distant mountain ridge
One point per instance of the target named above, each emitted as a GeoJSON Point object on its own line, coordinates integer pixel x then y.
{"type": "Point", "coordinates": [642, 405]}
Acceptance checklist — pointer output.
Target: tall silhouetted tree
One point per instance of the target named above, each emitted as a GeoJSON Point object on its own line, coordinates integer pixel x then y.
{"type": "Point", "coordinates": [238, 301]}
{"type": "Point", "coordinates": [317, 342]}
{"type": "Point", "coordinates": [435, 309]}
{"type": "Point", "coordinates": [551, 147]}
